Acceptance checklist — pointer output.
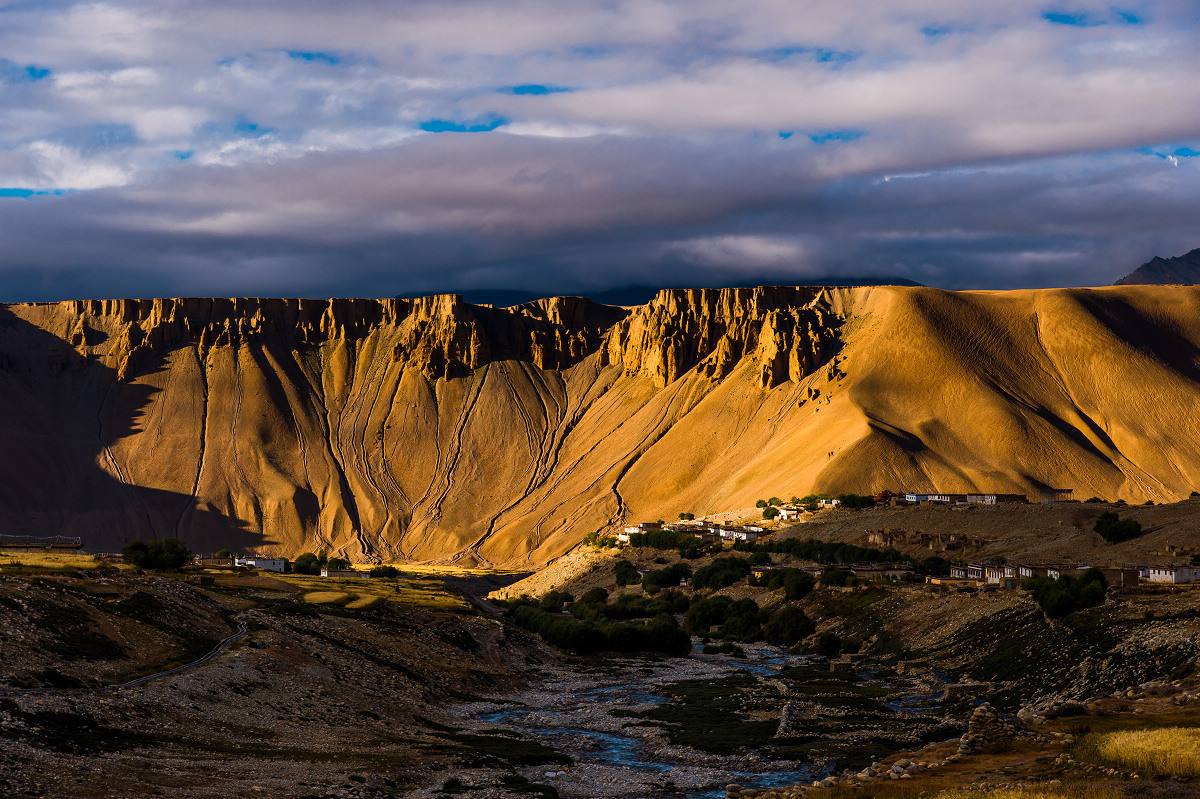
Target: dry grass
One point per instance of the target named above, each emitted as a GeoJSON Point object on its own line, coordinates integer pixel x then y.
{"type": "Point", "coordinates": [48, 559]}
{"type": "Point", "coordinates": [327, 597]}
{"type": "Point", "coordinates": [364, 602]}
{"type": "Point", "coordinates": [1165, 751]}
{"type": "Point", "coordinates": [426, 592]}
{"type": "Point", "coordinates": [1033, 792]}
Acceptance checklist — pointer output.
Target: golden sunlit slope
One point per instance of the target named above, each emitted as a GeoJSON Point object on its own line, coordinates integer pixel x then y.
{"type": "Point", "coordinates": [432, 429]}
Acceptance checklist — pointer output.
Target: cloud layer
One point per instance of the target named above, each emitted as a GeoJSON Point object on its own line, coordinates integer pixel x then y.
{"type": "Point", "coordinates": [364, 148]}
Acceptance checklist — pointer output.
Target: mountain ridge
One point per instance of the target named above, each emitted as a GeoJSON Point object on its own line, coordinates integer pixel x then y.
{"type": "Point", "coordinates": [436, 429]}
{"type": "Point", "coordinates": [1182, 269]}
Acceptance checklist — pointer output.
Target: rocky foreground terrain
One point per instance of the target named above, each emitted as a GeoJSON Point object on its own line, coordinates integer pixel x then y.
{"type": "Point", "coordinates": [303, 700]}
{"type": "Point", "coordinates": [434, 429]}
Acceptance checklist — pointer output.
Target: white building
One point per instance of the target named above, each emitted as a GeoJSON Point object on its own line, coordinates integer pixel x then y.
{"type": "Point", "coordinates": [263, 564]}
{"type": "Point", "coordinates": [789, 514]}
{"type": "Point", "coordinates": [328, 572]}
{"type": "Point", "coordinates": [831, 502]}
{"type": "Point", "coordinates": [1175, 575]}
{"type": "Point", "coordinates": [747, 534]}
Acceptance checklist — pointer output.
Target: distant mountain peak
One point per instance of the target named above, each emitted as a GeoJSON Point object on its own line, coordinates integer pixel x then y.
{"type": "Point", "coordinates": [1181, 269]}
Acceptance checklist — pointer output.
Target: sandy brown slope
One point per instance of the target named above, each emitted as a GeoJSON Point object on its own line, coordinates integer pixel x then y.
{"type": "Point", "coordinates": [434, 429]}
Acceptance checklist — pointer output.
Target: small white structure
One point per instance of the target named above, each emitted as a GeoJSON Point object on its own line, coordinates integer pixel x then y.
{"type": "Point", "coordinates": [746, 534]}
{"type": "Point", "coordinates": [263, 564]}
{"type": "Point", "coordinates": [831, 502]}
{"type": "Point", "coordinates": [328, 572]}
{"type": "Point", "coordinates": [787, 514]}
{"type": "Point", "coordinates": [1174, 575]}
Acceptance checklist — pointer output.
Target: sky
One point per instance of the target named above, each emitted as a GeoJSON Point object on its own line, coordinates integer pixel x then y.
{"type": "Point", "coordinates": [366, 148]}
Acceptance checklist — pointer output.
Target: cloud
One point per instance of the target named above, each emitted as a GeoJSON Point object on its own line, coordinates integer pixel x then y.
{"type": "Point", "coordinates": [998, 144]}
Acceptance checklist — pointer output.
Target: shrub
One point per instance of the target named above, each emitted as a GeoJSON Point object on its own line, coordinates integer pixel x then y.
{"type": "Point", "coordinates": [773, 501]}
{"type": "Point", "coordinates": [857, 500]}
{"type": "Point", "coordinates": [385, 571]}
{"type": "Point", "coordinates": [829, 644]}
{"type": "Point", "coordinates": [626, 573]}
{"type": "Point", "coordinates": [796, 583]}
{"type": "Point", "coordinates": [934, 566]}
{"type": "Point", "coordinates": [1113, 529]}
{"type": "Point", "coordinates": [1067, 594]}
{"type": "Point", "coordinates": [655, 581]}
{"type": "Point", "coordinates": [686, 516]}
{"type": "Point", "coordinates": [707, 613]}
{"type": "Point", "coordinates": [594, 596]}
{"type": "Point", "coordinates": [838, 577]}
{"type": "Point", "coordinates": [661, 634]}
{"type": "Point", "coordinates": [788, 625]}
{"type": "Point", "coordinates": [308, 563]}
{"type": "Point", "coordinates": [337, 563]}
{"type": "Point", "coordinates": [762, 503]}
{"type": "Point", "coordinates": [553, 601]}
{"type": "Point", "coordinates": [721, 573]}
{"type": "Point", "coordinates": [770, 512]}
{"type": "Point", "coordinates": [161, 554]}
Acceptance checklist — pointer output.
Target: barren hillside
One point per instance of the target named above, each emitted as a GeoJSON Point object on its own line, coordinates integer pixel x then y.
{"type": "Point", "coordinates": [432, 429]}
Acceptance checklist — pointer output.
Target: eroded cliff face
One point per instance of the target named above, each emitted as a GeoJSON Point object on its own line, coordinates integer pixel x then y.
{"type": "Point", "coordinates": [433, 429]}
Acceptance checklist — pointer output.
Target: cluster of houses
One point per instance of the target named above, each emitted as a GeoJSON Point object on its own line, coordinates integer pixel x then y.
{"type": "Point", "coordinates": [706, 532]}
{"type": "Point", "coordinates": [1009, 576]}
{"type": "Point", "coordinates": [278, 565]}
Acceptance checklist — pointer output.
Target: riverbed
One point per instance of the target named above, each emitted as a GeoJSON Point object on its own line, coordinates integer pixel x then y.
{"type": "Point", "coordinates": [641, 727]}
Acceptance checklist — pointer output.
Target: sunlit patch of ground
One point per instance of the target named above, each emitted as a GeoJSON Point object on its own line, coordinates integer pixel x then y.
{"type": "Point", "coordinates": [51, 560]}
{"type": "Point", "coordinates": [1165, 751]}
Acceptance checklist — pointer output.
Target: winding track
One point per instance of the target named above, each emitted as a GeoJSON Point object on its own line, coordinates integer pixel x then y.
{"type": "Point", "coordinates": [241, 632]}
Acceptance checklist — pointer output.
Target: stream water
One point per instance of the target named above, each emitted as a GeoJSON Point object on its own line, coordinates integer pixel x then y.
{"type": "Point", "coordinates": [593, 716]}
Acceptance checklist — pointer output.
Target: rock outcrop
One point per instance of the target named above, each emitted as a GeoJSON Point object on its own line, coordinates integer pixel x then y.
{"type": "Point", "coordinates": [435, 429]}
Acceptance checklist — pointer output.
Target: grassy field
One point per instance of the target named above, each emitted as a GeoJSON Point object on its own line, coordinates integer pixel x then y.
{"type": "Point", "coordinates": [1164, 751]}
{"type": "Point", "coordinates": [49, 560]}
{"type": "Point", "coordinates": [421, 590]}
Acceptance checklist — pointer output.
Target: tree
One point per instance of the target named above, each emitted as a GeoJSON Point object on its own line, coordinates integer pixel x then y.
{"type": "Point", "coordinates": [307, 563]}
{"type": "Point", "coordinates": [1113, 529]}
{"type": "Point", "coordinates": [773, 501]}
{"type": "Point", "coordinates": [385, 571]}
{"type": "Point", "coordinates": [770, 512]}
{"type": "Point", "coordinates": [337, 563]}
{"type": "Point", "coordinates": [788, 625]}
{"type": "Point", "coordinates": [626, 573]}
{"type": "Point", "coordinates": [721, 573]}
{"type": "Point", "coordinates": [686, 516]}
{"type": "Point", "coordinates": [160, 555]}
{"type": "Point", "coordinates": [762, 503]}
{"type": "Point", "coordinates": [829, 645]}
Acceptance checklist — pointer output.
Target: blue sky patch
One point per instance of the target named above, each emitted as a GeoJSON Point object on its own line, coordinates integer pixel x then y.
{"type": "Point", "coordinates": [534, 89]}
{"type": "Point", "coordinates": [786, 134]}
{"type": "Point", "coordinates": [315, 57]}
{"type": "Point", "coordinates": [456, 126]}
{"type": "Point", "coordinates": [250, 129]}
{"type": "Point", "coordinates": [822, 55]}
{"type": "Point", "coordinates": [829, 136]}
{"type": "Point", "coordinates": [1080, 19]}
{"type": "Point", "coordinates": [20, 193]}
{"type": "Point", "coordinates": [11, 72]}
{"type": "Point", "coordinates": [182, 155]}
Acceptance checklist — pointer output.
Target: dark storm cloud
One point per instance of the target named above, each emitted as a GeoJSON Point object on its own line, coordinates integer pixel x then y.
{"type": "Point", "coordinates": [185, 148]}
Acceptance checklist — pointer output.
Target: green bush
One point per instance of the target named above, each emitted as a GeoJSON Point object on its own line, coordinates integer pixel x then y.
{"type": "Point", "coordinates": [838, 578]}
{"type": "Point", "coordinates": [708, 613]}
{"type": "Point", "coordinates": [686, 516]}
{"type": "Point", "coordinates": [661, 634]}
{"type": "Point", "coordinates": [762, 503]}
{"type": "Point", "coordinates": [626, 573]}
{"type": "Point", "coordinates": [655, 581]}
{"type": "Point", "coordinates": [721, 573]}
{"type": "Point", "coordinates": [829, 644]}
{"type": "Point", "coordinates": [1067, 594]}
{"type": "Point", "coordinates": [825, 551]}
{"type": "Point", "coordinates": [796, 583]}
{"type": "Point", "coordinates": [788, 625]}
{"type": "Point", "coordinates": [661, 539]}
{"type": "Point", "coordinates": [594, 596]}
{"type": "Point", "coordinates": [553, 601]}
{"type": "Point", "coordinates": [770, 512]}
{"type": "Point", "coordinates": [857, 500]}
{"type": "Point", "coordinates": [385, 571]}
{"type": "Point", "coordinates": [308, 563]}
{"type": "Point", "coordinates": [337, 563]}
{"type": "Point", "coordinates": [1113, 529]}
{"type": "Point", "coordinates": [161, 554]}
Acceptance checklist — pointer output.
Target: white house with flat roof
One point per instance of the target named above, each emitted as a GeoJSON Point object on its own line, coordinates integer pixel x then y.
{"type": "Point", "coordinates": [263, 564]}
{"type": "Point", "coordinates": [1174, 575]}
